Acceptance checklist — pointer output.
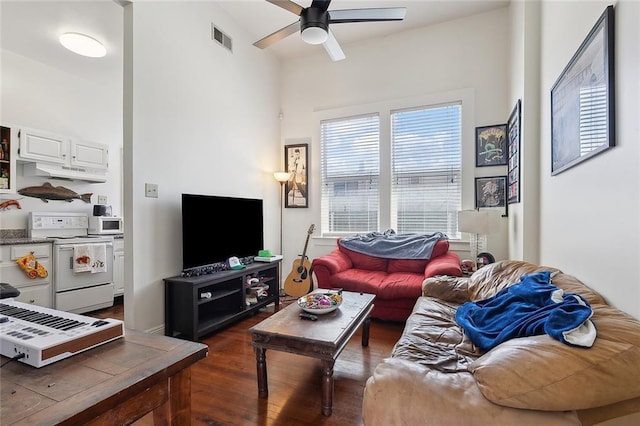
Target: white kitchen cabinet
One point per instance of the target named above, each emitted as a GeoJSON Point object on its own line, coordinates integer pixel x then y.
{"type": "Point", "coordinates": [37, 291]}
{"type": "Point", "coordinates": [89, 154]}
{"type": "Point", "coordinates": [118, 267]}
{"type": "Point", "coordinates": [41, 146]}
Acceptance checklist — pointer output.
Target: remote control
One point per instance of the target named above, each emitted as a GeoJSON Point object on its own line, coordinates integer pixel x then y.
{"type": "Point", "coordinates": [308, 316]}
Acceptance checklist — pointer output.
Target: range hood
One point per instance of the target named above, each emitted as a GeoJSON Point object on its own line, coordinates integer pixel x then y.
{"type": "Point", "coordinates": [64, 172]}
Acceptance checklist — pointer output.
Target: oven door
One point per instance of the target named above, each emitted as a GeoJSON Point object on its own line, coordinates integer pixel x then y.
{"type": "Point", "coordinates": [66, 278]}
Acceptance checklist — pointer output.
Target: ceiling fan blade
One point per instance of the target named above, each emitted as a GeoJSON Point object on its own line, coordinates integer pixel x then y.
{"type": "Point", "coordinates": [333, 48]}
{"type": "Point", "coordinates": [288, 5]}
{"type": "Point", "coordinates": [367, 15]}
{"type": "Point", "coordinates": [278, 35]}
{"type": "Point", "coordinates": [321, 4]}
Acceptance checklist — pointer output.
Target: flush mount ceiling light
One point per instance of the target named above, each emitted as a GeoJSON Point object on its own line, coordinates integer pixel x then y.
{"type": "Point", "coordinates": [83, 45]}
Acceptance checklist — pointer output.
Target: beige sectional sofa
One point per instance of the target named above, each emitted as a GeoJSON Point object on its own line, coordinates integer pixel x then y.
{"type": "Point", "coordinates": [436, 376]}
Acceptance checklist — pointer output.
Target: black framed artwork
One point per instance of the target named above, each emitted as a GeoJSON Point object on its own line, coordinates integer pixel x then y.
{"type": "Point", "coordinates": [513, 166]}
{"type": "Point", "coordinates": [490, 191]}
{"type": "Point", "coordinates": [491, 145]}
{"type": "Point", "coordinates": [582, 100]}
{"type": "Point", "coordinates": [296, 160]}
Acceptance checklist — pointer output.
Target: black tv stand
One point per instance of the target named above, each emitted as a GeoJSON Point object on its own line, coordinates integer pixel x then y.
{"type": "Point", "coordinates": [201, 304]}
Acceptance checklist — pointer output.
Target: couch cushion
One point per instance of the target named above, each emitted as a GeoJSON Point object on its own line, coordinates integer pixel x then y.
{"type": "Point", "coordinates": [543, 374]}
{"type": "Point", "coordinates": [446, 264]}
{"type": "Point", "coordinates": [401, 393]}
{"type": "Point", "coordinates": [447, 288]}
{"type": "Point", "coordinates": [401, 285]}
{"type": "Point", "coordinates": [358, 280]}
{"type": "Point", "coordinates": [432, 338]}
{"type": "Point", "coordinates": [406, 265]}
{"type": "Point", "coordinates": [364, 261]}
{"type": "Point", "coordinates": [490, 279]}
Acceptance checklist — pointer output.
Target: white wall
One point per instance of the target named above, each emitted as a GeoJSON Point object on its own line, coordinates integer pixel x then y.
{"type": "Point", "coordinates": [469, 53]}
{"type": "Point", "coordinates": [524, 85]}
{"type": "Point", "coordinates": [590, 213]}
{"type": "Point", "coordinates": [199, 119]}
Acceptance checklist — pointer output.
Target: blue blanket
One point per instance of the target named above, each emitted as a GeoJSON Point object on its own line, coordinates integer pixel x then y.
{"type": "Point", "coordinates": [390, 245]}
{"type": "Point", "coordinates": [531, 307]}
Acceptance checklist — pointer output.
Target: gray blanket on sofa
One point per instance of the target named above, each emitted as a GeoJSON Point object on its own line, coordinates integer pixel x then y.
{"type": "Point", "coordinates": [390, 245]}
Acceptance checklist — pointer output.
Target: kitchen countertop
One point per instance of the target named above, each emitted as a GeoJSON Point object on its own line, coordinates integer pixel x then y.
{"type": "Point", "coordinates": [19, 236]}
{"type": "Point", "coordinates": [25, 240]}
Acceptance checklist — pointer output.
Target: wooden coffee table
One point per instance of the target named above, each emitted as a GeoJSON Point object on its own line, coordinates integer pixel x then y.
{"type": "Point", "coordinates": [324, 339]}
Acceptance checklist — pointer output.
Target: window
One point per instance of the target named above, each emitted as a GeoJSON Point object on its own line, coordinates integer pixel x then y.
{"type": "Point", "coordinates": [426, 169]}
{"type": "Point", "coordinates": [350, 173]}
{"type": "Point", "coordinates": [417, 189]}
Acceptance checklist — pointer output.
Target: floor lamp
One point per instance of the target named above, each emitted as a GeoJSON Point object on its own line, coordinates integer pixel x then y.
{"type": "Point", "coordinates": [478, 223]}
{"type": "Point", "coordinates": [281, 177]}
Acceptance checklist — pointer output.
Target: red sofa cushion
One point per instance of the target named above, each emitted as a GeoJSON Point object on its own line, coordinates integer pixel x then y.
{"type": "Point", "coordinates": [359, 280]}
{"type": "Point", "coordinates": [406, 265]}
{"type": "Point", "coordinates": [364, 261]}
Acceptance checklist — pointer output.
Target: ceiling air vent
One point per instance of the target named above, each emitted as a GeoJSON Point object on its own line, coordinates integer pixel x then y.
{"type": "Point", "coordinates": [223, 39]}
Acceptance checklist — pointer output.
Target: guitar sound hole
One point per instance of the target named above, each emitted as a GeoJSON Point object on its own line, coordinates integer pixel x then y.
{"type": "Point", "coordinates": [303, 275]}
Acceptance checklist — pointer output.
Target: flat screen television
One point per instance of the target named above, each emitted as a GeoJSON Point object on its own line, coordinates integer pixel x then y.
{"type": "Point", "coordinates": [216, 228]}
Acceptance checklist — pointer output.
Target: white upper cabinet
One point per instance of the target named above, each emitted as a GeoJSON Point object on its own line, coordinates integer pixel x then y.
{"type": "Point", "coordinates": [89, 154]}
{"type": "Point", "coordinates": [52, 155]}
{"type": "Point", "coordinates": [37, 145]}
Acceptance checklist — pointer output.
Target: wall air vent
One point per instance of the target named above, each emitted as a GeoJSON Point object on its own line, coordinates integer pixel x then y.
{"type": "Point", "coordinates": [222, 39]}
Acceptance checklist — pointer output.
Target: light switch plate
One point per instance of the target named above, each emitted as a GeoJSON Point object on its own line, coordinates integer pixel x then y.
{"type": "Point", "coordinates": [151, 190]}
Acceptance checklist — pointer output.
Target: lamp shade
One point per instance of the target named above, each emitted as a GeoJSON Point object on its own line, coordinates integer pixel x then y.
{"type": "Point", "coordinates": [482, 222]}
{"type": "Point", "coordinates": [282, 176]}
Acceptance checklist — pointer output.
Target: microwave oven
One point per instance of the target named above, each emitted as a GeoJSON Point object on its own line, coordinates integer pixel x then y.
{"type": "Point", "coordinates": [105, 225]}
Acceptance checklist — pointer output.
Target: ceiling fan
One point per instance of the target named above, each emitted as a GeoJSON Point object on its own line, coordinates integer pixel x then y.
{"type": "Point", "coordinates": [314, 23]}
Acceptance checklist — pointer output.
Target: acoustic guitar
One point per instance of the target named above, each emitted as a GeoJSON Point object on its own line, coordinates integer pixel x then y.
{"type": "Point", "coordinates": [298, 282]}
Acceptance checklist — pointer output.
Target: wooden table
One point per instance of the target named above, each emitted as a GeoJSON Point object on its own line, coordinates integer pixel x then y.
{"type": "Point", "coordinates": [323, 339]}
{"type": "Point", "coordinates": [115, 383]}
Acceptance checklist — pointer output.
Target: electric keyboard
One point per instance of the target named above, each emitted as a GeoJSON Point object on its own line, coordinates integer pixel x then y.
{"type": "Point", "coordinates": [43, 336]}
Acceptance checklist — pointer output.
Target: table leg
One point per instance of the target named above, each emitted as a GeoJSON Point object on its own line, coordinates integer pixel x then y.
{"type": "Point", "coordinates": [365, 331]}
{"type": "Point", "coordinates": [327, 387]}
{"type": "Point", "coordinates": [177, 409]}
{"type": "Point", "coordinates": [261, 367]}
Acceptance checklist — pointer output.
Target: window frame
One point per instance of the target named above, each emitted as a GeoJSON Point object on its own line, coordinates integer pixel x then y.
{"type": "Point", "coordinates": [385, 108]}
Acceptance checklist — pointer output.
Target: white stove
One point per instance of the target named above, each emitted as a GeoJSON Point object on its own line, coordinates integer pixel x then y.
{"type": "Point", "coordinates": [67, 228]}
{"type": "Point", "coordinates": [78, 288]}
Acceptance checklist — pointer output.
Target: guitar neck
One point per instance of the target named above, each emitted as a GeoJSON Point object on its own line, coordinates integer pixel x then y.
{"type": "Point", "coordinates": [304, 252]}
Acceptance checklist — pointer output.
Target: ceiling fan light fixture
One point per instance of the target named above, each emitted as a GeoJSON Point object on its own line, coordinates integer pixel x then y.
{"type": "Point", "coordinates": [314, 35]}
{"type": "Point", "coordinates": [83, 44]}
{"type": "Point", "coordinates": [314, 25]}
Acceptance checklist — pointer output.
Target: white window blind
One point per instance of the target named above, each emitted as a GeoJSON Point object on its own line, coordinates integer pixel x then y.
{"type": "Point", "coordinates": [426, 168]}
{"type": "Point", "coordinates": [350, 159]}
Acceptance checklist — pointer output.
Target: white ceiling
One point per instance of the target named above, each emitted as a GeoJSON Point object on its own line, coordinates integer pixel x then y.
{"type": "Point", "coordinates": [31, 28]}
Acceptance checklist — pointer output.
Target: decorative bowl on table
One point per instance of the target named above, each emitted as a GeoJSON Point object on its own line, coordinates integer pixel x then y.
{"type": "Point", "coordinates": [320, 302]}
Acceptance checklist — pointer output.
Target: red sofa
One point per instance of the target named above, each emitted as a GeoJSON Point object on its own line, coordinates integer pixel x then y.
{"type": "Point", "coordinates": [396, 283]}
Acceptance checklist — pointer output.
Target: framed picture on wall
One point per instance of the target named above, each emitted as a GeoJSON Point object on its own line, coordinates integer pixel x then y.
{"type": "Point", "coordinates": [491, 145]}
{"type": "Point", "coordinates": [490, 191]}
{"type": "Point", "coordinates": [582, 100]}
{"type": "Point", "coordinates": [513, 166]}
{"type": "Point", "coordinates": [296, 160]}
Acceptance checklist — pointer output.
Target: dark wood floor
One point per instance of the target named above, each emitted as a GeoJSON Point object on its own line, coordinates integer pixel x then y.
{"type": "Point", "coordinates": [224, 389]}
